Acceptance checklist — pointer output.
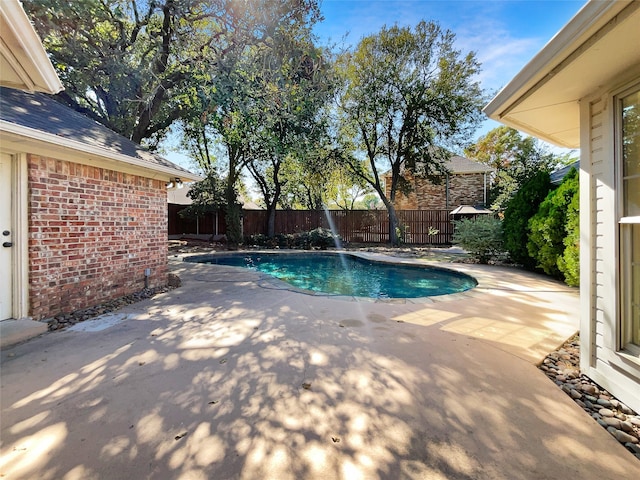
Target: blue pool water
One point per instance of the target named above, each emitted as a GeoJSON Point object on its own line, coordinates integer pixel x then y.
{"type": "Point", "coordinates": [340, 274]}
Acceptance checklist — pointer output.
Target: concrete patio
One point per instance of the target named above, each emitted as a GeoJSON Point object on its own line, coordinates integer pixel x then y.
{"type": "Point", "coordinates": [234, 376]}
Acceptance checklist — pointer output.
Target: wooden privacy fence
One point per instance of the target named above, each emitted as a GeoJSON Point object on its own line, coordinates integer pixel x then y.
{"type": "Point", "coordinates": [356, 226]}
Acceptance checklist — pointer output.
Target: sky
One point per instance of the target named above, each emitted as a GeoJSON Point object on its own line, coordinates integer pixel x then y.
{"type": "Point", "coordinates": [504, 34]}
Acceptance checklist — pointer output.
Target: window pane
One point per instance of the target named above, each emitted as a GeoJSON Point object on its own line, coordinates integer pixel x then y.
{"type": "Point", "coordinates": [631, 197]}
{"type": "Point", "coordinates": [631, 134]}
{"type": "Point", "coordinates": [634, 311]}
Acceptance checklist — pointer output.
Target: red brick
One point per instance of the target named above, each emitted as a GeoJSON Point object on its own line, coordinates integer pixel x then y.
{"type": "Point", "coordinates": [74, 236]}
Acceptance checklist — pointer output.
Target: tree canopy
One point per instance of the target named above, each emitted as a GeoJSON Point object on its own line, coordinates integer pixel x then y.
{"type": "Point", "coordinates": [407, 94]}
{"type": "Point", "coordinates": [515, 157]}
{"type": "Point", "coordinates": [132, 65]}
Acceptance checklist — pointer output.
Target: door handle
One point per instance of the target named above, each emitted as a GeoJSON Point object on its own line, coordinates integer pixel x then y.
{"type": "Point", "coordinates": [7, 244]}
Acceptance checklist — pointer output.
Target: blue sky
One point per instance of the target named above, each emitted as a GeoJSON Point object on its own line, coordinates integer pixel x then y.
{"type": "Point", "coordinates": [504, 34]}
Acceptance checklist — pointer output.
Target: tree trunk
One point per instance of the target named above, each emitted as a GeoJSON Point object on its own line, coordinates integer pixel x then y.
{"type": "Point", "coordinates": [271, 221]}
{"type": "Point", "coordinates": [394, 239]}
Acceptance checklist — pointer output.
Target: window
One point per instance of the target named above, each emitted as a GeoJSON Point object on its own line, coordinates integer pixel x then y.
{"type": "Point", "coordinates": [629, 138]}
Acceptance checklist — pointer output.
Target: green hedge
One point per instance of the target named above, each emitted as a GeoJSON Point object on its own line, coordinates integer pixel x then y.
{"type": "Point", "coordinates": [520, 209]}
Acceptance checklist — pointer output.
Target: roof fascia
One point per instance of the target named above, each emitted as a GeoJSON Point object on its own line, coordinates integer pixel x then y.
{"type": "Point", "coordinates": [592, 17]}
{"type": "Point", "coordinates": [33, 60]}
{"type": "Point", "coordinates": [50, 140]}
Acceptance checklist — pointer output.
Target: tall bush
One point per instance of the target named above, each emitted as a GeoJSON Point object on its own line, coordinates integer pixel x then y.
{"type": "Point", "coordinates": [548, 227]}
{"type": "Point", "coordinates": [481, 237]}
{"type": "Point", "coordinates": [569, 262]}
{"type": "Point", "coordinates": [516, 217]}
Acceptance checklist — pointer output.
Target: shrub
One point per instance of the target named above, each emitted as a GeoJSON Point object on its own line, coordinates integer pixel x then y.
{"type": "Point", "coordinates": [548, 226]}
{"type": "Point", "coordinates": [516, 217]}
{"type": "Point", "coordinates": [319, 238]}
{"type": "Point", "coordinates": [569, 263]}
{"type": "Point", "coordinates": [322, 238]}
{"type": "Point", "coordinates": [481, 237]}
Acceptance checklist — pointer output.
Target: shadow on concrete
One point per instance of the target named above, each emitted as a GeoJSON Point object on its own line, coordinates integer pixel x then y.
{"type": "Point", "coordinates": [222, 378]}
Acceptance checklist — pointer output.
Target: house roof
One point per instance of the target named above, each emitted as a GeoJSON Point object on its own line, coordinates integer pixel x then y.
{"type": "Point", "coordinates": [458, 164]}
{"type": "Point", "coordinates": [557, 176]}
{"type": "Point", "coordinates": [598, 47]}
{"type": "Point", "coordinates": [178, 196]}
{"type": "Point", "coordinates": [26, 117]}
{"type": "Point", "coordinates": [470, 210]}
{"type": "Point", "coordinates": [23, 61]}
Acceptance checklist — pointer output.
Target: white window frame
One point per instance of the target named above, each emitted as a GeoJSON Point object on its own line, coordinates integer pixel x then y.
{"type": "Point", "coordinates": [624, 324]}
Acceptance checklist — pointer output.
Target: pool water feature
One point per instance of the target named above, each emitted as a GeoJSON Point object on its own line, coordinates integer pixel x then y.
{"type": "Point", "coordinates": [348, 275]}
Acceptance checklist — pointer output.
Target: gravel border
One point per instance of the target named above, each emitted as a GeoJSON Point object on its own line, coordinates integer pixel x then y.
{"type": "Point", "coordinates": [563, 368]}
{"type": "Point", "coordinates": [68, 319]}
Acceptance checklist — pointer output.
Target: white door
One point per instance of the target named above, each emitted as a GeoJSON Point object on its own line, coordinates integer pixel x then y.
{"type": "Point", "coordinates": [6, 250]}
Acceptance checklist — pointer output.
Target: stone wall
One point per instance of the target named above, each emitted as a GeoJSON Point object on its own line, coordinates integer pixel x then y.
{"type": "Point", "coordinates": [92, 234]}
{"type": "Point", "coordinates": [460, 189]}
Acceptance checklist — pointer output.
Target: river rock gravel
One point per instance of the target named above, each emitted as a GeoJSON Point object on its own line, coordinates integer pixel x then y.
{"type": "Point", "coordinates": [563, 368]}
{"type": "Point", "coordinates": [67, 319]}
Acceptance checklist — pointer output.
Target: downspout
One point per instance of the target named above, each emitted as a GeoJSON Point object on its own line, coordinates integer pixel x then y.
{"type": "Point", "coordinates": [484, 195]}
{"type": "Point", "coordinates": [446, 194]}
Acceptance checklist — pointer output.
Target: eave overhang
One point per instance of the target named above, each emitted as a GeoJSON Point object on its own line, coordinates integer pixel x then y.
{"type": "Point", "coordinates": [595, 49]}
{"type": "Point", "coordinates": [24, 64]}
{"type": "Point", "coordinates": [19, 138]}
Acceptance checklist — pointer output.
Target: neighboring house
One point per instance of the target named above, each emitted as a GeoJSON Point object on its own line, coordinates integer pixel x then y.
{"type": "Point", "coordinates": [583, 90]}
{"type": "Point", "coordinates": [557, 176]}
{"type": "Point", "coordinates": [84, 210]}
{"type": "Point", "coordinates": [210, 226]}
{"type": "Point", "coordinates": [466, 184]}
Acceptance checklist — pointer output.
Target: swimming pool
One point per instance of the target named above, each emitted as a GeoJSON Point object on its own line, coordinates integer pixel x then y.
{"type": "Point", "coordinates": [349, 275]}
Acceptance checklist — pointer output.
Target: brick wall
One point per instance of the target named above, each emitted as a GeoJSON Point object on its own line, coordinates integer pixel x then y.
{"type": "Point", "coordinates": [92, 233]}
{"type": "Point", "coordinates": [463, 189]}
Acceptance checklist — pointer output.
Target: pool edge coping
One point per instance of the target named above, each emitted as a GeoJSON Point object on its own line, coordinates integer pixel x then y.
{"type": "Point", "coordinates": [265, 280]}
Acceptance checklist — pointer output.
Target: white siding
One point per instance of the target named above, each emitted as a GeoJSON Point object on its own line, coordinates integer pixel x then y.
{"type": "Point", "coordinates": [599, 331]}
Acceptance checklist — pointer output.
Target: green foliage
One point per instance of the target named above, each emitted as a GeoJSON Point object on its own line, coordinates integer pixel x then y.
{"type": "Point", "coordinates": [481, 237]}
{"type": "Point", "coordinates": [319, 238]}
{"type": "Point", "coordinates": [207, 196]}
{"type": "Point", "coordinates": [135, 65]}
{"type": "Point", "coordinates": [548, 227]}
{"type": "Point", "coordinates": [233, 219]}
{"type": "Point", "coordinates": [407, 93]}
{"type": "Point", "coordinates": [569, 262]}
{"type": "Point", "coordinates": [515, 159]}
{"type": "Point", "coordinates": [520, 209]}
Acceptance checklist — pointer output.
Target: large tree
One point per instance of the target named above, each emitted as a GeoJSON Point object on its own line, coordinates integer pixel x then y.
{"type": "Point", "coordinates": [515, 157]}
{"type": "Point", "coordinates": [131, 64]}
{"type": "Point", "coordinates": [288, 128]}
{"type": "Point", "coordinates": [408, 93]}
